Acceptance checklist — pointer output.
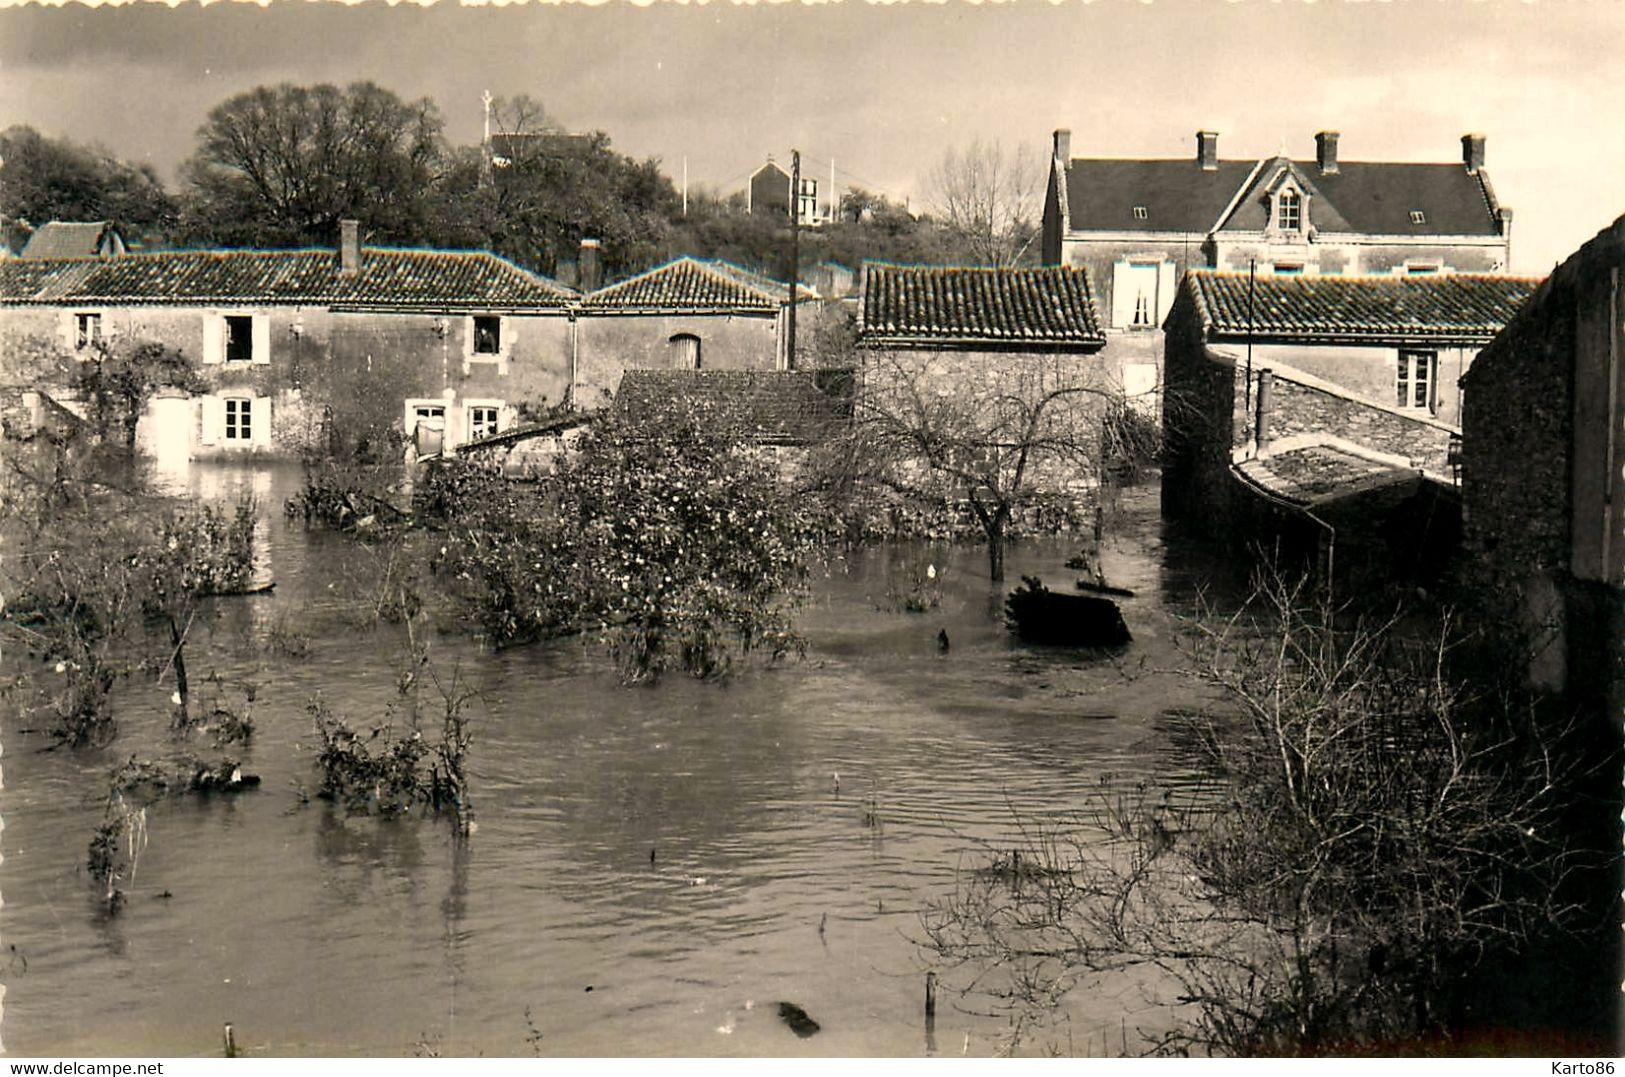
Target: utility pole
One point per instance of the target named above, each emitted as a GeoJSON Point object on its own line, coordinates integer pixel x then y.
{"type": "Point", "coordinates": [685, 185]}
{"type": "Point", "coordinates": [795, 253]}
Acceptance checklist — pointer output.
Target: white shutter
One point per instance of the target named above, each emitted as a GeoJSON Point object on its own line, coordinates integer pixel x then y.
{"type": "Point", "coordinates": [262, 339]}
{"type": "Point", "coordinates": [214, 340]}
{"type": "Point", "coordinates": [1165, 290]}
{"type": "Point", "coordinates": [212, 415]}
{"type": "Point", "coordinates": [259, 418]}
{"type": "Point", "coordinates": [67, 328]}
{"type": "Point", "coordinates": [1122, 294]}
{"type": "Point", "coordinates": [510, 334]}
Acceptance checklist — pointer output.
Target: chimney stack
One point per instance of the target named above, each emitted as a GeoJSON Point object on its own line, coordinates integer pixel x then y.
{"type": "Point", "coordinates": [1326, 151]}
{"type": "Point", "coordinates": [1063, 146]}
{"type": "Point", "coordinates": [1207, 150]}
{"type": "Point", "coordinates": [589, 268]}
{"type": "Point", "coordinates": [1472, 152]}
{"type": "Point", "coordinates": [349, 248]}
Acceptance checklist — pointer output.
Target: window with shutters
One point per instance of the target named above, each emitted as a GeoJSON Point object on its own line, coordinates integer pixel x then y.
{"type": "Point", "coordinates": [238, 420]}
{"type": "Point", "coordinates": [239, 338]}
{"type": "Point", "coordinates": [488, 338]}
{"type": "Point", "coordinates": [1414, 385]}
{"type": "Point", "coordinates": [1142, 291]}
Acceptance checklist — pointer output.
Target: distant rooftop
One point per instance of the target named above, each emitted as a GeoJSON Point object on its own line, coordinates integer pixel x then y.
{"type": "Point", "coordinates": [919, 306]}
{"type": "Point", "coordinates": [1461, 307]}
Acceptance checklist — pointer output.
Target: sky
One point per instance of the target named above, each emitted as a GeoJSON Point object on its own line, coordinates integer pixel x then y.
{"type": "Point", "coordinates": [881, 90]}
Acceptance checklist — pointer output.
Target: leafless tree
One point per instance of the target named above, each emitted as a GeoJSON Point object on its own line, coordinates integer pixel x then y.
{"type": "Point", "coordinates": [1370, 830]}
{"type": "Point", "coordinates": [994, 439]}
{"type": "Point", "coordinates": [988, 199]}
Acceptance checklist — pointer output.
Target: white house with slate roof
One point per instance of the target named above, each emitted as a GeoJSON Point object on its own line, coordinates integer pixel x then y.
{"type": "Point", "coordinates": [1139, 225]}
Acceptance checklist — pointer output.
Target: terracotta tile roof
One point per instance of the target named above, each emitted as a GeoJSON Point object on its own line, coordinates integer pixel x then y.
{"type": "Point", "coordinates": [781, 407]}
{"type": "Point", "coordinates": [395, 279]}
{"type": "Point", "coordinates": [693, 284]}
{"type": "Point", "coordinates": [978, 307]}
{"type": "Point", "coordinates": [1438, 307]}
{"type": "Point", "coordinates": [1315, 474]}
{"type": "Point", "coordinates": [72, 239]}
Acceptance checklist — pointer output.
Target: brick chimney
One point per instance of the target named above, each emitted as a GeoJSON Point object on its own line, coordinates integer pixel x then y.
{"type": "Point", "coordinates": [1472, 152]}
{"type": "Point", "coordinates": [589, 267]}
{"type": "Point", "coordinates": [349, 248]}
{"type": "Point", "coordinates": [1063, 146]}
{"type": "Point", "coordinates": [1326, 151]}
{"type": "Point", "coordinates": [1207, 150]}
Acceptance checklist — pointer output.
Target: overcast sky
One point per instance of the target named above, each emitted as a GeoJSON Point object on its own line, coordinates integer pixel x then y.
{"type": "Point", "coordinates": [881, 90]}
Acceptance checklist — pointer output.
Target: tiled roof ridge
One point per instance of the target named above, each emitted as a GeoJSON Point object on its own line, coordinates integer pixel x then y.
{"type": "Point", "coordinates": [1274, 279]}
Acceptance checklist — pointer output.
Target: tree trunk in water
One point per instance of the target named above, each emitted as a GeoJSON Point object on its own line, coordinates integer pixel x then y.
{"type": "Point", "coordinates": [181, 687]}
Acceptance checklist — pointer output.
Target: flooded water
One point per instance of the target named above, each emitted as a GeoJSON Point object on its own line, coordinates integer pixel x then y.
{"type": "Point", "coordinates": [653, 869]}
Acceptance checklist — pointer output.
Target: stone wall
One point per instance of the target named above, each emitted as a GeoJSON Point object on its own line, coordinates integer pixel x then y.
{"type": "Point", "coordinates": [1299, 409]}
{"type": "Point", "coordinates": [610, 344]}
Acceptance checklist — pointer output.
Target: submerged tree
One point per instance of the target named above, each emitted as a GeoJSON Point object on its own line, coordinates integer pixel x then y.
{"type": "Point", "coordinates": [1001, 441]}
{"type": "Point", "coordinates": [1371, 830]}
{"type": "Point", "coordinates": [662, 532]}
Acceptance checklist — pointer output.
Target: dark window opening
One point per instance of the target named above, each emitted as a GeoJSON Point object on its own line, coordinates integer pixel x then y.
{"type": "Point", "coordinates": [87, 330]}
{"type": "Point", "coordinates": [487, 335]}
{"type": "Point", "coordinates": [239, 338]}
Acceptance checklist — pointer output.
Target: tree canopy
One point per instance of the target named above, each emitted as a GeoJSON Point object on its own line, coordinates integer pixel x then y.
{"type": "Point", "coordinates": [46, 179]}
{"type": "Point", "coordinates": [282, 165]}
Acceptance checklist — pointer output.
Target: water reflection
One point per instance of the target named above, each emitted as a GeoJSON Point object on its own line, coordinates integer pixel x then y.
{"type": "Point", "coordinates": [320, 932]}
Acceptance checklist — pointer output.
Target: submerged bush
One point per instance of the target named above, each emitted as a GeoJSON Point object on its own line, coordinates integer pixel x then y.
{"type": "Point", "coordinates": [664, 534]}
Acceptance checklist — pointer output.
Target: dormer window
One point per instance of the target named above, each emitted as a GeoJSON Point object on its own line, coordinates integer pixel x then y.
{"type": "Point", "coordinates": [1289, 211]}
{"type": "Point", "coordinates": [1418, 217]}
{"type": "Point", "coordinates": [1141, 213]}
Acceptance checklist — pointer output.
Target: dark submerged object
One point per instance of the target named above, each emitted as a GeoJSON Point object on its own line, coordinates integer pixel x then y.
{"type": "Point", "coordinates": [1039, 615]}
{"type": "Point", "coordinates": [797, 1019]}
{"type": "Point", "coordinates": [1104, 589]}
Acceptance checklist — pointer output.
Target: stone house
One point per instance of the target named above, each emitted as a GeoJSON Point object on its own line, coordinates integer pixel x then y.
{"type": "Point", "coordinates": [689, 314]}
{"type": "Point", "coordinates": [1294, 389]}
{"type": "Point", "coordinates": [300, 347]}
{"type": "Point", "coordinates": [74, 239]}
{"type": "Point", "coordinates": [1543, 476]}
{"type": "Point", "coordinates": [980, 338]}
{"type": "Point", "coordinates": [1139, 225]}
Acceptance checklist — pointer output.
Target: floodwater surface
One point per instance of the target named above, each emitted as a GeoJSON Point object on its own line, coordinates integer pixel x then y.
{"type": "Point", "coordinates": [654, 868]}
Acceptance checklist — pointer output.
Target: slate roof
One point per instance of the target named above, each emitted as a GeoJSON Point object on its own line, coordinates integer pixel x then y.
{"type": "Point", "coordinates": [388, 279]}
{"type": "Point", "coordinates": [1371, 197]}
{"type": "Point", "coordinates": [1462, 307]}
{"type": "Point", "coordinates": [1315, 474]}
{"type": "Point", "coordinates": [70, 239]}
{"type": "Point", "coordinates": [1178, 195]}
{"type": "Point", "coordinates": [693, 284]}
{"type": "Point", "coordinates": [1052, 307]}
{"type": "Point", "coordinates": [771, 406]}
{"type": "Point", "coordinates": [1378, 198]}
